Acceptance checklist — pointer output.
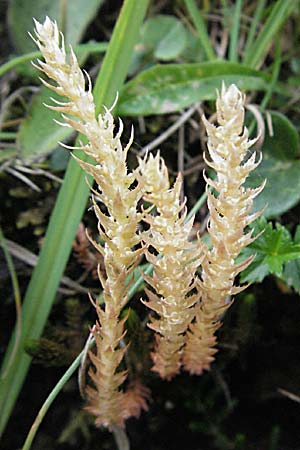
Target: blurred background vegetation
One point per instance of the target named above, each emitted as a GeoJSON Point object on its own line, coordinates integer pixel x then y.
{"type": "Point", "coordinates": [175, 55]}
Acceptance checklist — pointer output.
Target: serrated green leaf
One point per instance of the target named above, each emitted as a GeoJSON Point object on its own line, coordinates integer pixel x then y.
{"type": "Point", "coordinates": [38, 135]}
{"type": "Point", "coordinates": [273, 249]}
{"type": "Point", "coordinates": [257, 270]}
{"type": "Point", "coordinates": [291, 271]}
{"type": "Point", "coordinates": [78, 15]}
{"type": "Point", "coordinates": [280, 167]}
{"type": "Point", "coordinates": [172, 87]}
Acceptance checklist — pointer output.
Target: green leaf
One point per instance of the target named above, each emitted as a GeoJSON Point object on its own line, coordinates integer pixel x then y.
{"type": "Point", "coordinates": [280, 167]}
{"type": "Point", "coordinates": [38, 135]}
{"type": "Point", "coordinates": [273, 249]}
{"type": "Point", "coordinates": [171, 87]}
{"type": "Point", "coordinates": [173, 44]}
{"type": "Point", "coordinates": [165, 36]}
{"type": "Point", "coordinates": [72, 21]}
{"type": "Point", "coordinates": [193, 51]}
{"type": "Point", "coordinates": [284, 145]}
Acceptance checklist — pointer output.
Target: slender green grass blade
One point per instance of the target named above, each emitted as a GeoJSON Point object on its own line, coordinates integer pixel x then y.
{"type": "Point", "coordinates": [92, 47]}
{"type": "Point", "coordinates": [259, 10]}
{"type": "Point", "coordinates": [17, 294]}
{"type": "Point", "coordinates": [275, 75]}
{"type": "Point", "coordinates": [67, 213]}
{"type": "Point", "coordinates": [234, 34]}
{"type": "Point", "coordinates": [201, 28]}
{"type": "Point", "coordinates": [272, 84]}
{"type": "Point", "coordinates": [8, 135]}
{"type": "Point", "coordinates": [279, 14]}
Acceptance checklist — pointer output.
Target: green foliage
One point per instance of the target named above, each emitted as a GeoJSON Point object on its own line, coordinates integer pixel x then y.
{"type": "Point", "coordinates": [171, 87]}
{"type": "Point", "coordinates": [280, 167]}
{"type": "Point", "coordinates": [291, 270]}
{"type": "Point", "coordinates": [279, 14]}
{"type": "Point", "coordinates": [272, 249]}
{"type": "Point", "coordinates": [73, 18]}
{"type": "Point", "coordinates": [39, 134]}
{"type": "Point", "coordinates": [201, 28]}
{"type": "Point", "coordinates": [164, 36]}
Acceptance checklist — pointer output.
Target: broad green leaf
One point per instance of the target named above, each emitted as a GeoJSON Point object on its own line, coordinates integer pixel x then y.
{"type": "Point", "coordinates": [78, 15]}
{"type": "Point", "coordinates": [162, 37]}
{"type": "Point", "coordinates": [171, 87]}
{"type": "Point", "coordinates": [280, 167]}
{"type": "Point", "coordinates": [291, 271]}
{"type": "Point", "coordinates": [173, 44]}
{"type": "Point", "coordinates": [284, 145]}
{"type": "Point", "coordinates": [165, 36]}
{"type": "Point", "coordinates": [272, 250]}
{"type": "Point", "coordinates": [38, 135]}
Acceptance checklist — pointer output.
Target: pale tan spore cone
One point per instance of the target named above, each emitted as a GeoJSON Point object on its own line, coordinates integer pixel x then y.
{"type": "Point", "coordinates": [117, 225]}
{"type": "Point", "coordinates": [175, 260]}
{"type": "Point", "coordinates": [230, 213]}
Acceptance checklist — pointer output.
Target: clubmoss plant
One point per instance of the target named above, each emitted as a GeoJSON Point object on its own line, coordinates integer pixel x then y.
{"type": "Point", "coordinates": [228, 146]}
{"type": "Point", "coordinates": [175, 264]}
{"type": "Point", "coordinates": [117, 227]}
{"type": "Point", "coordinates": [188, 306]}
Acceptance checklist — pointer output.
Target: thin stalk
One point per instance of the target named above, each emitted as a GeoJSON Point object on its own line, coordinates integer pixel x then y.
{"type": "Point", "coordinates": [197, 206]}
{"type": "Point", "coordinates": [48, 402]}
{"type": "Point", "coordinates": [62, 21]}
{"type": "Point", "coordinates": [201, 28]}
{"type": "Point", "coordinates": [120, 438]}
{"type": "Point", "coordinates": [69, 207]}
{"type": "Point", "coordinates": [234, 35]}
{"type": "Point", "coordinates": [275, 75]}
{"type": "Point", "coordinates": [259, 9]}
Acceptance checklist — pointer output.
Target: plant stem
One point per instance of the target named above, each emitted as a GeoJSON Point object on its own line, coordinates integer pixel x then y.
{"type": "Point", "coordinates": [120, 438]}
{"type": "Point", "coordinates": [48, 402]}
